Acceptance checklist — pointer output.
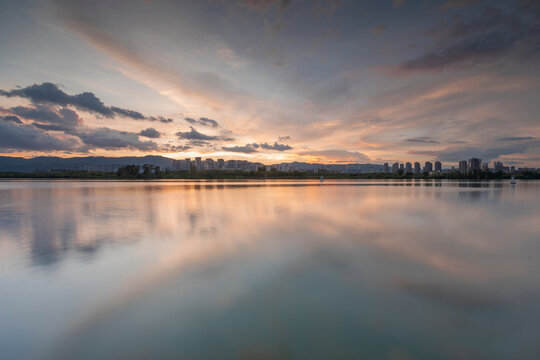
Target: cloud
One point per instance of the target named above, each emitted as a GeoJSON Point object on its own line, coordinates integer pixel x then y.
{"type": "Point", "coordinates": [202, 121]}
{"type": "Point", "coordinates": [516, 138]}
{"type": "Point", "coordinates": [47, 117]}
{"type": "Point", "coordinates": [175, 148]}
{"type": "Point", "coordinates": [487, 153]}
{"type": "Point", "coordinates": [195, 135]}
{"type": "Point", "coordinates": [282, 138]}
{"type": "Point", "coordinates": [246, 149]}
{"type": "Point", "coordinates": [161, 119]}
{"type": "Point", "coordinates": [423, 139]}
{"type": "Point", "coordinates": [111, 139]}
{"type": "Point", "coordinates": [16, 136]}
{"type": "Point", "coordinates": [276, 146]}
{"type": "Point", "coordinates": [49, 94]}
{"type": "Point", "coordinates": [207, 87]}
{"type": "Point", "coordinates": [336, 156]}
{"type": "Point", "coordinates": [254, 147]}
{"type": "Point", "coordinates": [326, 8]}
{"type": "Point", "coordinates": [264, 5]}
{"type": "Point", "coordinates": [458, 3]}
{"type": "Point", "coordinates": [377, 30]}
{"type": "Point", "coordinates": [398, 3]}
{"type": "Point", "coordinates": [11, 118]}
{"type": "Point", "coordinates": [487, 37]}
{"type": "Point", "coordinates": [150, 133]}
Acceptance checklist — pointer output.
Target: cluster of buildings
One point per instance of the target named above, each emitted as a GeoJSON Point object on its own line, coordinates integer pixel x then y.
{"type": "Point", "coordinates": [475, 164]}
{"type": "Point", "coordinates": [464, 166]}
{"type": "Point", "coordinates": [211, 164]}
{"type": "Point", "coordinates": [413, 168]}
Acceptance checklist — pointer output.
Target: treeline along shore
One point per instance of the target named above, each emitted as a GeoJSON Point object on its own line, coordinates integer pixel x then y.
{"type": "Point", "coordinates": [149, 172]}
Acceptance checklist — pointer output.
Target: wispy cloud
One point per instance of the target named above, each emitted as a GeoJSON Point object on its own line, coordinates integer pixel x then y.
{"type": "Point", "coordinates": [468, 40]}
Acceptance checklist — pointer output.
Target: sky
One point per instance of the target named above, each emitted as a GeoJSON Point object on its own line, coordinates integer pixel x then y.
{"type": "Point", "coordinates": [332, 81]}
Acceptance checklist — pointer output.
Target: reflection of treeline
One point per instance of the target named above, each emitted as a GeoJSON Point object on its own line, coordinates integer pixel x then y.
{"type": "Point", "coordinates": [148, 171]}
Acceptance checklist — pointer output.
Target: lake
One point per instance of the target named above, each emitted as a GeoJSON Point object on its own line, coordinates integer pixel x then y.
{"type": "Point", "coordinates": [269, 270]}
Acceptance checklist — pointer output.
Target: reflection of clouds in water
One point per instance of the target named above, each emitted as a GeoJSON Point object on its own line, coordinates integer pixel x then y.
{"type": "Point", "coordinates": [289, 250]}
{"type": "Point", "coordinates": [464, 297]}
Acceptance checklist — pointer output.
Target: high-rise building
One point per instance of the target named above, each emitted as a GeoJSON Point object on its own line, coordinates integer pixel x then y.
{"type": "Point", "coordinates": [417, 168]}
{"type": "Point", "coordinates": [386, 170]}
{"type": "Point", "coordinates": [463, 166]}
{"type": "Point", "coordinates": [408, 168]}
{"type": "Point", "coordinates": [485, 167]}
{"type": "Point", "coordinates": [402, 167]}
{"type": "Point", "coordinates": [220, 163]}
{"type": "Point", "coordinates": [475, 164]}
{"type": "Point", "coordinates": [428, 167]}
{"type": "Point", "coordinates": [209, 164]}
{"type": "Point", "coordinates": [438, 166]}
{"type": "Point", "coordinates": [188, 164]}
{"type": "Point", "coordinates": [498, 166]}
{"type": "Point", "coordinates": [176, 164]}
{"type": "Point", "coordinates": [395, 167]}
{"type": "Point", "coordinates": [198, 163]}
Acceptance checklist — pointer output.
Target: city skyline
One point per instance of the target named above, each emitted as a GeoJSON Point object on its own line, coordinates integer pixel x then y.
{"type": "Point", "coordinates": [272, 80]}
{"type": "Point", "coordinates": [198, 164]}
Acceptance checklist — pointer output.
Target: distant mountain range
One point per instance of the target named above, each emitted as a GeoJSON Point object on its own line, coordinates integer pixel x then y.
{"type": "Point", "coordinates": [101, 163]}
{"type": "Point", "coordinates": [95, 163]}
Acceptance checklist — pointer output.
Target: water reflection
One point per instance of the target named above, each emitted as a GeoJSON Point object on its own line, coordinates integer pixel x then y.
{"type": "Point", "coordinates": [275, 269]}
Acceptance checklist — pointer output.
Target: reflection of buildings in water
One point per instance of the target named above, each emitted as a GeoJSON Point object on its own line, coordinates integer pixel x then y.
{"type": "Point", "coordinates": [83, 219]}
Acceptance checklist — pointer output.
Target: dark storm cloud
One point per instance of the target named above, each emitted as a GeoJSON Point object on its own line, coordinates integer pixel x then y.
{"type": "Point", "coordinates": [486, 37]}
{"type": "Point", "coordinates": [49, 93]}
{"type": "Point", "coordinates": [111, 139]}
{"type": "Point", "coordinates": [246, 149]}
{"type": "Point", "coordinates": [15, 136]}
{"type": "Point", "coordinates": [46, 116]}
{"type": "Point", "coordinates": [150, 133]}
{"type": "Point", "coordinates": [202, 121]}
{"type": "Point", "coordinates": [276, 146]}
{"type": "Point", "coordinates": [423, 139]}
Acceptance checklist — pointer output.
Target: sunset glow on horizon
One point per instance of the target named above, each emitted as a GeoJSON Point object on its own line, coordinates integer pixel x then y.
{"type": "Point", "coordinates": [272, 80]}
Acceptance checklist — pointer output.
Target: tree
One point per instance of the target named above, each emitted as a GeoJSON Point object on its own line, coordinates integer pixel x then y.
{"type": "Point", "coordinates": [128, 171]}
{"type": "Point", "coordinates": [147, 170]}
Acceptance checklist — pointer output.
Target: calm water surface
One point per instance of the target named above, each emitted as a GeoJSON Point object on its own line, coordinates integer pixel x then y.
{"type": "Point", "coordinates": [269, 270]}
